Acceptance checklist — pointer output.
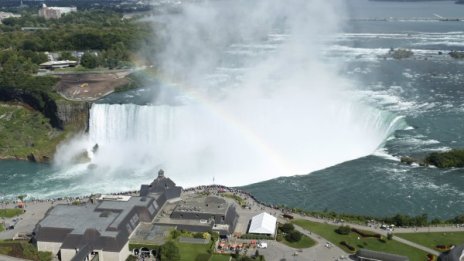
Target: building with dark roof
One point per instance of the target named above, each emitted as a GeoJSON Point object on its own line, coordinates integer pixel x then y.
{"type": "Point", "coordinates": [203, 214]}
{"type": "Point", "coordinates": [102, 228]}
{"type": "Point", "coordinates": [369, 255]}
{"type": "Point", "coordinates": [162, 186]}
{"type": "Point", "coordinates": [455, 254]}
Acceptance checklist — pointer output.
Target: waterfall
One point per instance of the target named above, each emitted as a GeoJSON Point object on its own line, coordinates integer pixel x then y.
{"type": "Point", "coordinates": [194, 143]}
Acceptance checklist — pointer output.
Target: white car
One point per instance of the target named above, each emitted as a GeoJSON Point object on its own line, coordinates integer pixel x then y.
{"type": "Point", "coordinates": [262, 245]}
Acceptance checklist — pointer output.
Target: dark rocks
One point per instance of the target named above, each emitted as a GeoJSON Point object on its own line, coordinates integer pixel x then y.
{"type": "Point", "coordinates": [31, 158]}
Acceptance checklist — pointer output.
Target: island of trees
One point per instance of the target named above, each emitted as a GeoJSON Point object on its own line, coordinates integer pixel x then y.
{"type": "Point", "coordinates": [449, 159]}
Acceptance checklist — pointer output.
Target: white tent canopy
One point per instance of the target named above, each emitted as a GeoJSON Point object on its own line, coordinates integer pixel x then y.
{"type": "Point", "coordinates": [263, 223]}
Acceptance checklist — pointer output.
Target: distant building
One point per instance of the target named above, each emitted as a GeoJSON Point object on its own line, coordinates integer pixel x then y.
{"type": "Point", "coordinates": [5, 15]}
{"type": "Point", "coordinates": [55, 12]}
{"type": "Point", "coordinates": [200, 214]}
{"type": "Point", "coordinates": [101, 229]}
{"type": "Point", "coordinates": [214, 211]}
{"type": "Point", "coordinates": [369, 255]}
{"type": "Point", "coordinates": [57, 64]}
{"type": "Point", "coordinates": [263, 224]}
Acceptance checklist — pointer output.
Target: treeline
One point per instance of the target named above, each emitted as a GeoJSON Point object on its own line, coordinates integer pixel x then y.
{"type": "Point", "coordinates": [116, 5]}
{"type": "Point", "coordinates": [449, 159]}
{"type": "Point", "coordinates": [84, 30]}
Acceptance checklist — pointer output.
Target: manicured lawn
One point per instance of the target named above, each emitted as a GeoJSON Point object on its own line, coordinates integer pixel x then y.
{"type": "Point", "coordinates": [390, 246]}
{"type": "Point", "coordinates": [433, 239]}
{"type": "Point", "coordinates": [188, 252]}
{"type": "Point", "coordinates": [305, 242]}
{"type": "Point", "coordinates": [220, 258]}
{"type": "Point", "coordinates": [1, 228]}
{"type": "Point", "coordinates": [10, 212]}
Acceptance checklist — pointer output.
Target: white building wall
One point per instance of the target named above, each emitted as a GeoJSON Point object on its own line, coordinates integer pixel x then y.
{"type": "Point", "coordinates": [124, 252]}
{"type": "Point", "coordinates": [53, 247]}
{"type": "Point", "coordinates": [115, 256]}
{"type": "Point", "coordinates": [67, 254]}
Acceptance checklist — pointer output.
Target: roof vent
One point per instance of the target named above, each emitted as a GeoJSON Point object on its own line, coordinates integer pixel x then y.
{"type": "Point", "coordinates": [105, 214]}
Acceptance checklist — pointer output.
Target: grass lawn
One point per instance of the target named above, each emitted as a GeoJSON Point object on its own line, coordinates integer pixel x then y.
{"type": "Point", "coordinates": [22, 249]}
{"type": "Point", "coordinates": [390, 246]}
{"type": "Point", "coordinates": [238, 199]}
{"type": "Point", "coordinates": [2, 228]}
{"type": "Point", "coordinates": [305, 242]}
{"type": "Point", "coordinates": [188, 252]}
{"type": "Point", "coordinates": [435, 238]}
{"type": "Point", "coordinates": [24, 131]}
{"type": "Point", "coordinates": [10, 212]}
{"type": "Point", "coordinates": [220, 258]}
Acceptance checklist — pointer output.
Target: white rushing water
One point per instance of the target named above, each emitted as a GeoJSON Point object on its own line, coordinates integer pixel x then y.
{"type": "Point", "coordinates": [255, 101]}
{"type": "Point", "coordinates": [236, 146]}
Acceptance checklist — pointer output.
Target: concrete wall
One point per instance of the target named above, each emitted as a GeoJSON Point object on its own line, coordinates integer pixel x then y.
{"type": "Point", "coordinates": [53, 247]}
{"type": "Point", "coordinates": [115, 256]}
{"type": "Point", "coordinates": [67, 254]}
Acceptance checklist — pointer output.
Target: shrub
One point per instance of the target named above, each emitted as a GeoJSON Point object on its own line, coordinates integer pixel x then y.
{"type": "Point", "coordinates": [293, 236]}
{"type": "Point", "coordinates": [287, 227]}
{"type": "Point", "coordinates": [350, 247]}
{"type": "Point", "coordinates": [175, 233]}
{"type": "Point", "coordinates": [343, 230]}
{"type": "Point", "coordinates": [363, 233]}
{"type": "Point", "coordinates": [390, 236]}
{"type": "Point", "coordinates": [198, 235]}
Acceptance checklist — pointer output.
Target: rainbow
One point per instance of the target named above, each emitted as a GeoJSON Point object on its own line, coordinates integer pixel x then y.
{"type": "Point", "coordinates": [251, 136]}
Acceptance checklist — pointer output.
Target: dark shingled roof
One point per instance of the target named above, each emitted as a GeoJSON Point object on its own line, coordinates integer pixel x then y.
{"type": "Point", "coordinates": [452, 255]}
{"type": "Point", "coordinates": [107, 224]}
{"type": "Point", "coordinates": [380, 255]}
{"type": "Point", "coordinates": [160, 185]}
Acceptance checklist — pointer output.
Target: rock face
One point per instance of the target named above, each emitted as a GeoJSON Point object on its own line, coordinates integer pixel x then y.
{"type": "Point", "coordinates": [73, 113]}
{"type": "Point", "coordinates": [65, 117]}
{"type": "Point", "coordinates": [59, 112]}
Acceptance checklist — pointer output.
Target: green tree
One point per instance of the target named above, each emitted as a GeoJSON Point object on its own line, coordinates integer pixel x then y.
{"type": "Point", "coordinates": [67, 56]}
{"type": "Point", "coordinates": [169, 252]}
{"type": "Point", "coordinates": [343, 230]}
{"type": "Point", "coordinates": [287, 227]}
{"type": "Point", "coordinates": [175, 233]}
{"type": "Point", "coordinates": [293, 236]}
{"type": "Point", "coordinates": [390, 236]}
{"type": "Point", "coordinates": [89, 60]}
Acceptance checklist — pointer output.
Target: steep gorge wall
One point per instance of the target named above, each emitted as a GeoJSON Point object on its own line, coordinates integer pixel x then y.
{"type": "Point", "coordinates": [65, 117]}
{"type": "Point", "coordinates": [60, 112]}
{"type": "Point", "coordinates": [73, 113]}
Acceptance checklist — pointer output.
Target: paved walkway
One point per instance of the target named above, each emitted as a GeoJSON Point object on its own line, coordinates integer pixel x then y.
{"type": "Point", "coordinates": [421, 247]}
{"type": "Point", "coordinates": [26, 222]}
